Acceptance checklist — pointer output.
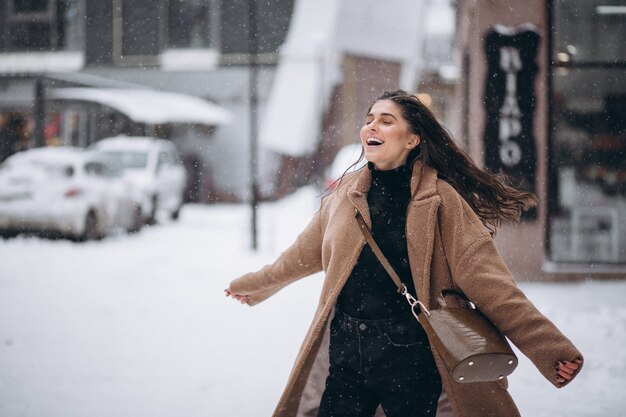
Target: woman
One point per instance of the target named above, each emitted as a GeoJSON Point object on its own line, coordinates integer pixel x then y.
{"type": "Point", "coordinates": [433, 213]}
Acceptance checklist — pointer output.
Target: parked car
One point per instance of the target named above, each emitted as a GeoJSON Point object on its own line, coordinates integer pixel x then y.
{"type": "Point", "coordinates": [344, 159]}
{"type": "Point", "coordinates": [154, 166]}
{"type": "Point", "coordinates": [65, 190]}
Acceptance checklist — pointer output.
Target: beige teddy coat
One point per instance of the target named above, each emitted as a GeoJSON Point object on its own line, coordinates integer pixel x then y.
{"type": "Point", "coordinates": [463, 256]}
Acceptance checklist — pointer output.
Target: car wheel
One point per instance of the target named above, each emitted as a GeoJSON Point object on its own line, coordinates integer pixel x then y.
{"type": "Point", "coordinates": [8, 234]}
{"type": "Point", "coordinates": [175, 215]}
{"type": "Point", "coordinates": [153, 211]}
{"type": "Point", "coordinates": [91, 227]}
{"type": "Point", "coordinates": [137, 221]}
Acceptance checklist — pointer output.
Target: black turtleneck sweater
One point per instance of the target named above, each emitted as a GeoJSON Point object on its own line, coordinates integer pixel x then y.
{"type": "Point", "coordinates": [369, 292]}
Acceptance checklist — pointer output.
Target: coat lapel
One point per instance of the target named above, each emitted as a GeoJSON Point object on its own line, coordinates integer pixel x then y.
{"type": "Point", "coordinates": [357, 194]}
{"type": "Point", "coordinates": [421, 220]}
{"type": "Point", "coordinates": [420, 230]}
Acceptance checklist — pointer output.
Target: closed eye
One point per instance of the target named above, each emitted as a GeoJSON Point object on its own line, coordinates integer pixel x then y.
{"type": "Point", "coordinates": [385, 122]}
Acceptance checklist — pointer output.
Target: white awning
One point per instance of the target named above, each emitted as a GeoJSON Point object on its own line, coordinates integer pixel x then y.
{"type": "Point", "coordinates": [320, 33]}
{"type": "Point", "coordinates": [303, 82]}
{"type": "Point", "coordinates": [149, 106]}
{"type": "Point", "coordinates": [292, 123]}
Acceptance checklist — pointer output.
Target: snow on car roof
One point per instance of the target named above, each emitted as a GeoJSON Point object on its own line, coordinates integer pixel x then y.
{"type": "Point", "coordinates": [54, 154]}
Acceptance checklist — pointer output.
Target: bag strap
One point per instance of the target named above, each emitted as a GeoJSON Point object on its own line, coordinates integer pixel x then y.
{"type": "Point", "coordinates": [385, 263]}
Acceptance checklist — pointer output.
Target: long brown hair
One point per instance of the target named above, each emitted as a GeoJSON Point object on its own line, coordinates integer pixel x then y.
{"type": "Point", "coordinates": [491, 196]}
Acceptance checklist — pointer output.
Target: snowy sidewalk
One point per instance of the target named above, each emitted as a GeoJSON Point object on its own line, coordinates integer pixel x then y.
{"type": "Point", "coordinates": [139, 326]}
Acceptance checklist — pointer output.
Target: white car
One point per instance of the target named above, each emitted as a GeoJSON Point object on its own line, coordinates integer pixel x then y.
{"type": "Point", "coordinates": [345, 158]}
{"type": "Point", "coordinates": [65, 190]}
{"type": "Point", "coordinates": [154, 166]}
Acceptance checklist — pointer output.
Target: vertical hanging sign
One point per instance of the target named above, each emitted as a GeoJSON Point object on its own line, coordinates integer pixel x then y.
{"type": "Point", "coordinates": [510, 103]}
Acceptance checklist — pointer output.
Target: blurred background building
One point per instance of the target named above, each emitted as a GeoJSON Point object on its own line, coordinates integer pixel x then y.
{"type": "Point", "coordinates": [142, 50]}
{"type": "Point", "coordinates": [534, 89]}
{"type": "Point", "coordinates": [542, 96]}
{"type": "Point", "coordinates": [76, 71]}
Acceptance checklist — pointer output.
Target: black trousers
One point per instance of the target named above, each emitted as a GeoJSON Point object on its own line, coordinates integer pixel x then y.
{"type": "Point", "coordinates": [380, 362]}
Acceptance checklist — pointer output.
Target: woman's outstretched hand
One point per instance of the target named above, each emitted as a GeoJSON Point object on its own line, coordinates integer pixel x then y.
{"type": "Point", "coordinates": [243, 299]}
{"type": "Point", "coordinates": [565, 370]}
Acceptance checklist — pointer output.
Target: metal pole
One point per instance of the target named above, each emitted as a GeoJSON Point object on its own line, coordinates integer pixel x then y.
{"type": "Point", "coordinates": [39, 113]}
{"type": "Point", "coordinates": [253, 104]}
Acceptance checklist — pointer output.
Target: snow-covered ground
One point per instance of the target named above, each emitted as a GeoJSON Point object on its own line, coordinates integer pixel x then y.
{"type": "Point", "coordinates": [139, 326]}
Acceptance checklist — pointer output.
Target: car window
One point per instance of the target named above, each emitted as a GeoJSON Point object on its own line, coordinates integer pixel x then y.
{"type": "Point", "coordinates": [112, 165]}
{"type": "Point", "coordinates": [95, 169]}
{"type": "Point", "coordinates": [110, 170]}
{"type": "Point", "coordinates": [128, 159]}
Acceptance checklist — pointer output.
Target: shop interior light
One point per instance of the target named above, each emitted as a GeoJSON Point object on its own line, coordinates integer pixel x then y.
{"type": "Point", "coordinates": [562, 57]}
{"type": "Point", "coordinates": [611, 10]}
{"type": "Point", "coordinates": [562, 72]}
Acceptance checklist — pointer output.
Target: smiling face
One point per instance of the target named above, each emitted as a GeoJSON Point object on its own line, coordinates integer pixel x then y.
{"type": "Point", "coordinates": [386, 136]}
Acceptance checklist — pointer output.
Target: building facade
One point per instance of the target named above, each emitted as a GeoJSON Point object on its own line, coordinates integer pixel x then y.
{"type": "Point", "coordinates": [198, 48]}
{"type": "Point", "coordinates": [542, 98]}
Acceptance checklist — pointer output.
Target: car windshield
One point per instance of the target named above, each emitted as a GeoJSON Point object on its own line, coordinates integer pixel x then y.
{"type": "Point", "coordinates": [129, 159]}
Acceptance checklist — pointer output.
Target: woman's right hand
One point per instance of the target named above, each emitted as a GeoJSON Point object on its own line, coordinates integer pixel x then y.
{"type": "Point", "coordinates": [565, 370]}
{"type": "Point", "coordinates": [243, 299]}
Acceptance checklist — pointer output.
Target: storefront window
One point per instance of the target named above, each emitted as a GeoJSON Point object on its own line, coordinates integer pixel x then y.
{"type": "Point", "coordinates": [15, 133]}
{"type": "Point", "coordinates": [589, 165]}
{"type": "Point", "coordinates": [587, 180]}
{"type": "Point", "coordinates": [589, 31]}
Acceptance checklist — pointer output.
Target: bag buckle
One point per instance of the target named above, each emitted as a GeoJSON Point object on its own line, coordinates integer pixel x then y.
{"type": "Point", "coordinates": [413, 301]}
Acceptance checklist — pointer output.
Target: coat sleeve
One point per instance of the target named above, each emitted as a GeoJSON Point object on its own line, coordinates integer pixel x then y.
{"type": "Point", "coordinates": [479, 271]}
{"type": "Point", "coordinates": [302, 258]}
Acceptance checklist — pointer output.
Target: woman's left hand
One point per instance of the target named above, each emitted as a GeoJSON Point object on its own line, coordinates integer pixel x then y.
{"type": "Point", "coordinates": [565, 370]}
{"type": "Point", "coordinates": [243, 299]}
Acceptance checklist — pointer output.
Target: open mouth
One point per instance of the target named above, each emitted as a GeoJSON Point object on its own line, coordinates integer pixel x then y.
{"type": "Point", "coordinates": [374, 142]}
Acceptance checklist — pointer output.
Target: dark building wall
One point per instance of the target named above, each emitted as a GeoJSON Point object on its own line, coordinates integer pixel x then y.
{"type": "Point", "coordinates": [273, 18]}
{"type": "Point", "coordinates": [273, 23]}
{"type": "Point", "coordinates": [143, 29]}
{"type": "Point", "coordinates": [141, 32]}
{"type": "Point", "coordinates": [3, 27]}
{"type": "Point", "coordinates": [98, 32]}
